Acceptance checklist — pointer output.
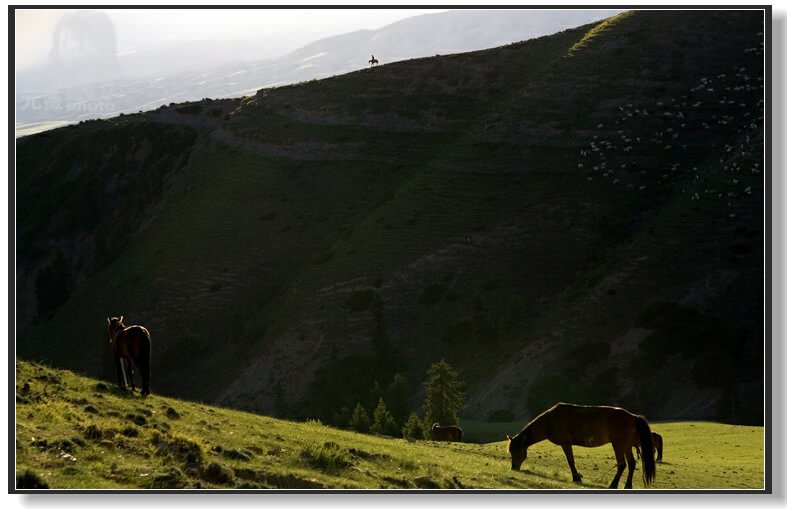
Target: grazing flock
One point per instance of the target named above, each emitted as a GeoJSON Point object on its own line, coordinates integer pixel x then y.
{"type": "Point", "coordinates": [651, 145]}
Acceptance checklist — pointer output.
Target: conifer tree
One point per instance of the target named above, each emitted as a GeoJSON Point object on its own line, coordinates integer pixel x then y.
{"type": "Point", "coordinates": [414, 428]}
{"type": "Point", "coordinates": [445, 395]}
{"type": "Point", "coordinates": [360, 419]}
{"type": "Point", "coordinates": [384, 423]}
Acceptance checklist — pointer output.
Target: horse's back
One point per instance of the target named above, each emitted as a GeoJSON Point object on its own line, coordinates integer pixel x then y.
{"type": "Point", "coordinates": [134, 341]}
{"type": "Point", "coordinates": [448, 433]}
{"type": "Point", "coordinates": [589, 426]}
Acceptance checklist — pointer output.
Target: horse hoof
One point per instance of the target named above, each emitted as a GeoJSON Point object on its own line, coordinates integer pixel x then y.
{"type": "Point", "coordinates": [578, 478]}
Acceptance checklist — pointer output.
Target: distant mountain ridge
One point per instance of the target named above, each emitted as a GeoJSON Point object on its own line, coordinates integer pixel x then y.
{"type": "Point", "coordinates": [241, 74]}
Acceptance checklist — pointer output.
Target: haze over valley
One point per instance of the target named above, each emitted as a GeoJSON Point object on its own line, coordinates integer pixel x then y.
{"type": "Point", "coordinates": [111, 62]}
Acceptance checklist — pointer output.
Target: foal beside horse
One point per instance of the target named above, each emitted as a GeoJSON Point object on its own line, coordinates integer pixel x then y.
{"type": "Point", "coordinates": [567, 425]}
{"type": "Point", "coordinates": [658, 445]}
{"type": "Point", "coordinates": [130, 344]}
{"type": "Point", "coordinates": [447, 433]}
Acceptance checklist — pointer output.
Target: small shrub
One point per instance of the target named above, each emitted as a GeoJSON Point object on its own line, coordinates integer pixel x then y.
{"type": "Point", "coordinates": [30, 480]}
{"type": "Point", "coordinates": [64, 444]}
{"type": "Point", "coordinates": [92, 432]}
{"type": "Point", "coordinates": [329, 457]}
{"type": "Point", "coordinates": [137, 419]}
{"type": "Point", "coordinates": [177, 448]}
{"type": "Point", "coordinates": [130, 432]}
{"type": "Point", "coordinates": [174, 478]}
{"type": "Point", "coordinates": [171, 413]}
{"type": "Point", "coordinates": [217, 473]}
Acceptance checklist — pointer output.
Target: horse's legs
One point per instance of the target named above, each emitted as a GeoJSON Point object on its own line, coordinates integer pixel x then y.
{"type": "Point", "coordinates": [632, 464]}
{"type": "Point", "coordinates": [121, 374]}
{"type": "Point", "coordinates": [570, 457]}
{"type": "Point", "coordinates": [130, 365]}
{"type": "Point", "coordinates": [621, 459]}
{"type": "Point", "coordinates": [144, 370]}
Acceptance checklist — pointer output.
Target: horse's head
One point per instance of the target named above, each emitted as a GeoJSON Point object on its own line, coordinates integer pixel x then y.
{"type": "Point", "coordinates": [114, 324]}
{"type": "Point", "coordinates": [517, 447]}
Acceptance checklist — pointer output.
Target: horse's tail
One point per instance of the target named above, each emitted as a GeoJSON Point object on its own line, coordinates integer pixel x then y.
{"type": "Point", "coordinates": [145, 348]}
{"type": "Point", "coordinates": [145, 345]}
{"type": "Point", "coordinates": [646, 443]}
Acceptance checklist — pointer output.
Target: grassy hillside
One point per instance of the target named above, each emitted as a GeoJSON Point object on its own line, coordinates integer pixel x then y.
{"type": "Point", "coordinates": [577, 217]}
{"type": "Point", "coordinates": [74, 432]}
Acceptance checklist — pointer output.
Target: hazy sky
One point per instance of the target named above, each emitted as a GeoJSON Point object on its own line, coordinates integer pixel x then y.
{"type": "Point", "coordinates": [138, 29]}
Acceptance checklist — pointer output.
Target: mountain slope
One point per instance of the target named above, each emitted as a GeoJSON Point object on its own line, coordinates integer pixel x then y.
{"type": "Point", "coordinates": [192, 70]}
{"type": "Point", "coordinates": [576, 217]}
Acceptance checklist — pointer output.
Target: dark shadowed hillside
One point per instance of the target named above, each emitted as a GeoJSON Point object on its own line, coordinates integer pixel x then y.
{"type": "Point", "coordinates": [577, 217]}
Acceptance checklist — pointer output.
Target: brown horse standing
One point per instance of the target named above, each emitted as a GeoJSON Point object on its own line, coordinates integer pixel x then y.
{"type": "Point", "coordinates": [658, 445]}
{"type": "Point", "coordinates": [567, 425]}
{"type": "Point", "coordinates": [447, 433]}
{"type": "Point", "coordinates": [131, 344]}
{"type": "Point", "coordinates": [374, 61]}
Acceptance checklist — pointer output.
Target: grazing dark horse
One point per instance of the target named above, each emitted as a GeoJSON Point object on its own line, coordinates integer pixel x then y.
{"type": "Point", "coordinates": [132, 345]}
{"type": "Point", "coordinates": [374, 61]}
{"type": "Point", "coordinates": [567, 425]}
{"type": "Point", "coordinates": [447, 433]}
{"type": "Point", "coordinates": [658, 446]}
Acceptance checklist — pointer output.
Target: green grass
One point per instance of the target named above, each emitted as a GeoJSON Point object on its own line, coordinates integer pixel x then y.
{"type": "Point", "coordinates": [118, 440]}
